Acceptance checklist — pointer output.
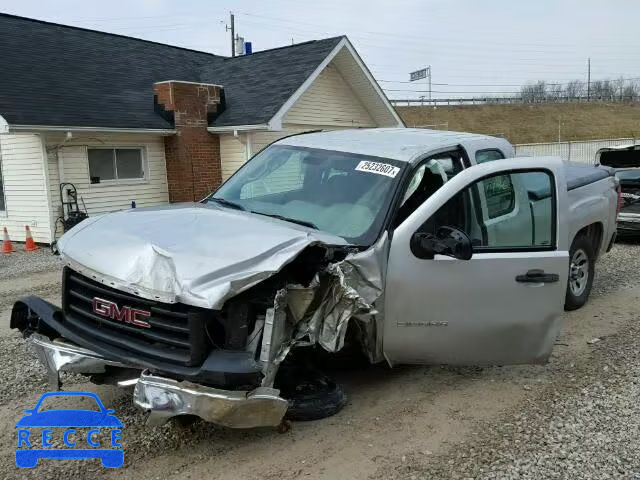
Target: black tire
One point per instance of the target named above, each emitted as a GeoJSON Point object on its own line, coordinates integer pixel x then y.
{"type": "Point", "coordinates": [581, 248]}
{"type": "Point", "coordinates": [311, 395]}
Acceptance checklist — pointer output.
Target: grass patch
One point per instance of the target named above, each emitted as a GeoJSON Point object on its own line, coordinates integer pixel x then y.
{"type": "Point", "coordinates": [524, 123]}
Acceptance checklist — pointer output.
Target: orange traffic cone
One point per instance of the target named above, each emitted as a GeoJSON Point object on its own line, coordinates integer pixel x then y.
{"type": "Point", "coordinates": [7, 246]}
{"type": "Point", "coordinates": [29, 244]}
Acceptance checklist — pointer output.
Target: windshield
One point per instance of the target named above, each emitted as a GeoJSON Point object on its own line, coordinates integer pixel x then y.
{"type": "Point", "coordinates": [341, 193]}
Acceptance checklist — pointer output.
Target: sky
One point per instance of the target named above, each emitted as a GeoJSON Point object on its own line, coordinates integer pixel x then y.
{"type": "Point", "coordinates": [474, 47]}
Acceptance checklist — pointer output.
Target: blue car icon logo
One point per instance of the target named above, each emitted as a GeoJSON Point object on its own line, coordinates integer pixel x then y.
{"type": "Point", "coordinates": [29, 442]}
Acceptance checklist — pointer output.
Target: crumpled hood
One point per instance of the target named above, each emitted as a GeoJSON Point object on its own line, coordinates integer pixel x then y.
{"type": "Point", "coordinates": [192, 253]}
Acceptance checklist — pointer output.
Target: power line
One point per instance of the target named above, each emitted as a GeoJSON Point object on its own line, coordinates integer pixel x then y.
{"type": "Point", "coordinates": [447, 40]}
{"type": "Point", "coordinates": [446, 91]}
{"type": "Point", "coordinates": [508, 84]}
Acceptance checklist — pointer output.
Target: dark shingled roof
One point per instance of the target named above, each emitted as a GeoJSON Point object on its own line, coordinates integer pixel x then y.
{"type": "Point", "coordinates": [256, 86]}
{"type": "Point", "coordinates": [57, 75]}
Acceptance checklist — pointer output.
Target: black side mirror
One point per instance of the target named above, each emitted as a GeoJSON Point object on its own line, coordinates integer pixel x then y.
{"type": "Point", "coordinates": [447, 241]}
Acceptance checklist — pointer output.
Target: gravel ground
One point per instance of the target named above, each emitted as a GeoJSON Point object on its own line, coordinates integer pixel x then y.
{"type": "Point", "coordinates": [585, 423]}
{"type": "Point", "coordinates": [21, 262]}
{"type": "Point", "coordinates": [618, 269]}
{"type": "Point", "coordinates": [577, 417]}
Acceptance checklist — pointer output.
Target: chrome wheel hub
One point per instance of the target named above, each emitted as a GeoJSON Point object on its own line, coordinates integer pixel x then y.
{"type": "Point", "coordinates": [578, 272]}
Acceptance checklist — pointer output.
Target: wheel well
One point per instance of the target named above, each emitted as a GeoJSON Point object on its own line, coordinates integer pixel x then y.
{"type": "Point", "coordinates": [594, 233]}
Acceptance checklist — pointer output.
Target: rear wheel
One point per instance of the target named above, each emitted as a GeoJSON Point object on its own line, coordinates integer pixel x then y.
{"type": "Point", "coordinates": [581, 273]}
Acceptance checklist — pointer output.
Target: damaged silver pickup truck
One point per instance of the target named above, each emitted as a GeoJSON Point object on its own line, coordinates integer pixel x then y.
{"type": "Point", "coordinates": [414, 246]}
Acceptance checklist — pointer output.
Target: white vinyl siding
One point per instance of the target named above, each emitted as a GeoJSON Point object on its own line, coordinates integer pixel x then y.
{"type": "Point", "coordinates": [232, 154]}
{"type": "Point", "coordinates": [329, 101]}
{"type": "Point", "coordinates": [25, 187]}
{"type": "Point", "coordinates": [364, 89]}
{"type": "Point", "coordinates": [109, 196]}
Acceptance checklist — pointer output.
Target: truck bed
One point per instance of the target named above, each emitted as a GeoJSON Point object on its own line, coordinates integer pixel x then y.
{"type": "Point", "coordinates": [578, 175]}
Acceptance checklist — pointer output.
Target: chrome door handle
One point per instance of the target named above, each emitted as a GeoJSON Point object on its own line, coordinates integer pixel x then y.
{"type": "Point", "coordinates": [538, 276]}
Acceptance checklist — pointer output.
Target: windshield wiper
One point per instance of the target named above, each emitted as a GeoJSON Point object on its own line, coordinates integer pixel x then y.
{"type": "Point", "coordinates": [304, 223]}
{"type": "Point", "coordinates": [227, 203]}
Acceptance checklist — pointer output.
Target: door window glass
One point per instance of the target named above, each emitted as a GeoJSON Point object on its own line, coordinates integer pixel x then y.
{"type": "Point", "coordinates": [426, 180]}
{"type": "Point", "coordinates": [503, 211]}
{"type": "Point", "coordinates": [488, 155]}
{"type": "Point", "coordinates": [499, 194]}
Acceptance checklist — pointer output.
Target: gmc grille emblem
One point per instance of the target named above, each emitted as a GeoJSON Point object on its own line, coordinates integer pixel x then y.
{"type": "Point", "coordinates": [109, 309]}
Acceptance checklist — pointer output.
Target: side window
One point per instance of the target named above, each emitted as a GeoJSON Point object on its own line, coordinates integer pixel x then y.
{"type": "Point", "coordinates": [479, 211]}
{"type": "Point", "coordinates": [488, 155]}
{"type": "Point", "coordinates": [426, 180]}
{"type": "Point", "coordinates": [499, 194]}
{"type": "Point", "coordinates": [450, 163]}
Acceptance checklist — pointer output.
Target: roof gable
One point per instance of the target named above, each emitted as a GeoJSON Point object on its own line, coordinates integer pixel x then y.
{"type": "Point", "coordinates": [329, 100]}
{"type": "Point", "coordinates": [360, 80]}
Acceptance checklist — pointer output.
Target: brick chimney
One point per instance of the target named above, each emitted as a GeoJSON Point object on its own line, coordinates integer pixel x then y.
{"type": "Point", "coordinates": [193, 155]}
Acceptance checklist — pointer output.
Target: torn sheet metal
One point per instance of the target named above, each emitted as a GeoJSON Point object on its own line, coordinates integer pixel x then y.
{"type": "Point", "coordinates": [351, 290]}
{"type": "Point", "coordinates": [59, 355]}
{"type": "Point", "coordinates": [193, 253]}
{"type": "Point", "coordinates": [367, 277]}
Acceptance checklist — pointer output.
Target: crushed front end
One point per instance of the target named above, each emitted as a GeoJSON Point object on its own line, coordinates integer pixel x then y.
{"type": "Point", "coordinates": [218, 364]}
{"type": "Point", "coordinates": [114, 336]}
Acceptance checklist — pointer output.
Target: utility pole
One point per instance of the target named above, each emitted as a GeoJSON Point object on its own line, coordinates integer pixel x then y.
{"type": "Point", "coordinates": [588, 79]}
{"type": "Point", "coordinates": [233, 33]}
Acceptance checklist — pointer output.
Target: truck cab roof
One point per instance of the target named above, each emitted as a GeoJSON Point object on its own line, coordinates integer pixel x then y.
{"type": "Point", "coordinates": [403, 144]}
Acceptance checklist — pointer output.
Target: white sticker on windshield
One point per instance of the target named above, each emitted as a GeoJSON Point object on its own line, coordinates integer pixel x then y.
{"type": "Point", "coordinates": [379, 168]}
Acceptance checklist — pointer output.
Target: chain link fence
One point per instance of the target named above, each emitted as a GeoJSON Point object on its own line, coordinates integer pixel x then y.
{"type": "Point", "coordinates": [578, 151]}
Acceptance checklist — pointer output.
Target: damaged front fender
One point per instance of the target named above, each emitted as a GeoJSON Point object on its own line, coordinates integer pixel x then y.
{"type": "Point", "coordinates": [350, 290]}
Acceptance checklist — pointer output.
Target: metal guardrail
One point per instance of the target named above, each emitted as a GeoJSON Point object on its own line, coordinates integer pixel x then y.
{"type": "Point", "coordinates": [581, 151]}
{"type": "Point", "coordinates": [414, 102]}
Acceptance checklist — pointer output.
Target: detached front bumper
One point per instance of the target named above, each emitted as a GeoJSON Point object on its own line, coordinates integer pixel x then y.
{"type": "Point", "coordinates": [43, 326]}
{"type": "Point", "coordinates": [164, 398]}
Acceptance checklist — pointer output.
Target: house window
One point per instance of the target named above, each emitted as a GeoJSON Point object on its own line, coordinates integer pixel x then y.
{"type": "Point", "coordinates": [113, 164]}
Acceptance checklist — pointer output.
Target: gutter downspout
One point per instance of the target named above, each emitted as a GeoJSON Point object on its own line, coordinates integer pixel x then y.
{"type": "Point", "coordinates": [245, 140]}
{"type": "Point", "coordinates": [47, 185]}
{"type": "Point", "coordinates": [249, 145]}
